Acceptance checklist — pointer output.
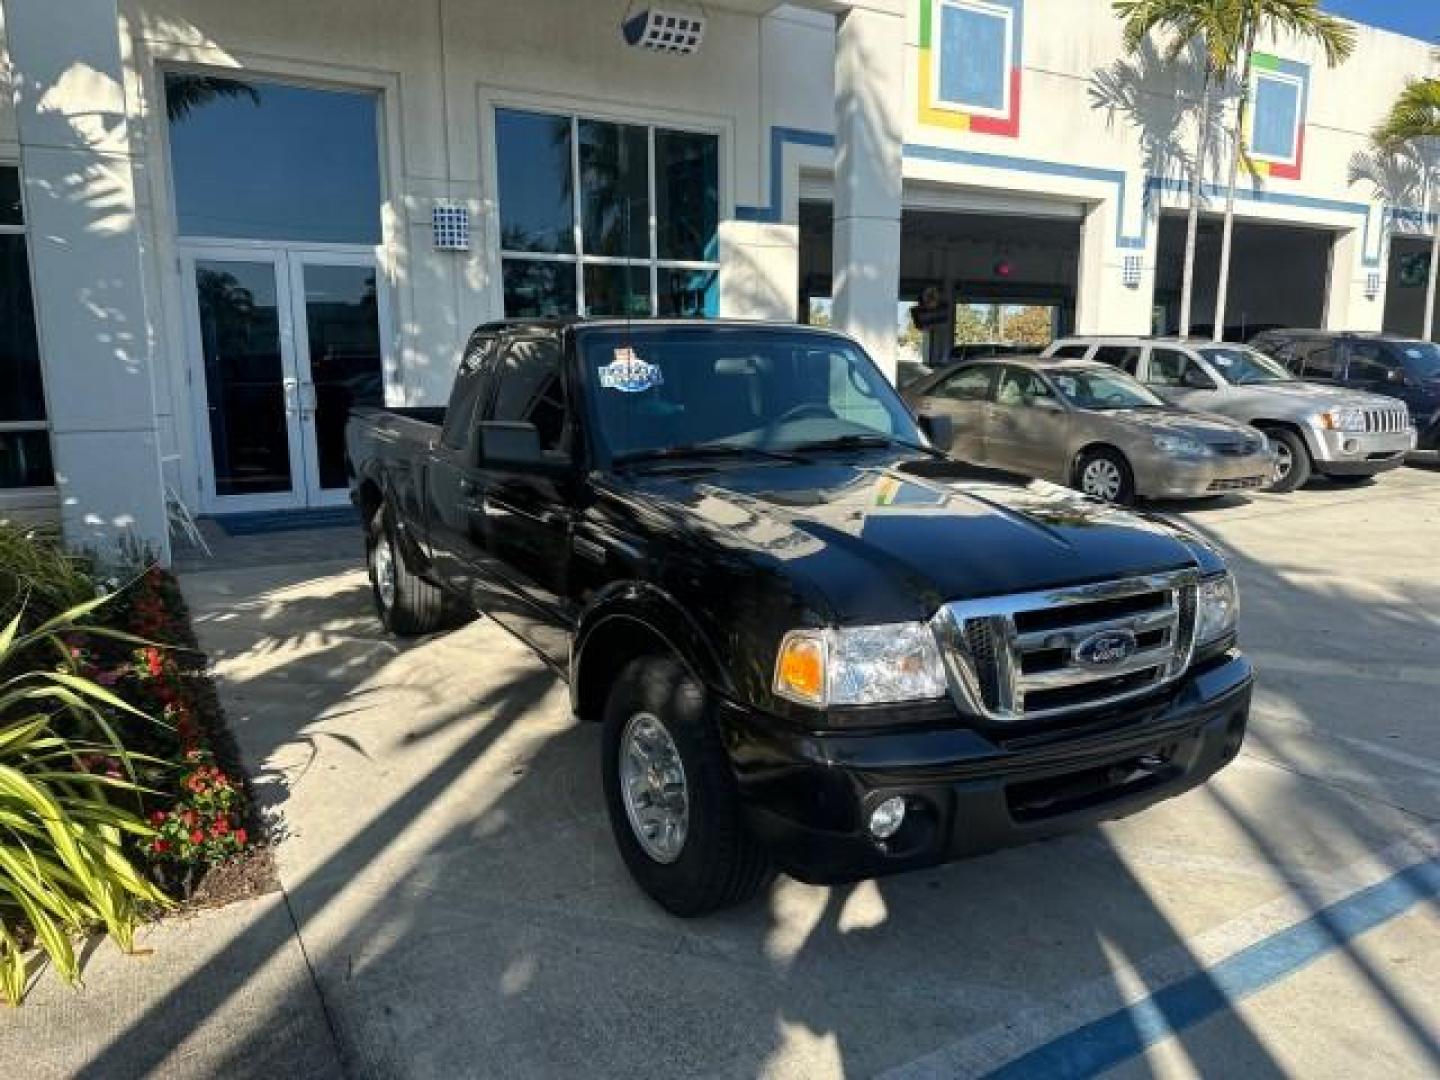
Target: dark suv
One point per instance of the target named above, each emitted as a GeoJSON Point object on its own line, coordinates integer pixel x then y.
{"type": "Point", "coordinates": [1399, 367]}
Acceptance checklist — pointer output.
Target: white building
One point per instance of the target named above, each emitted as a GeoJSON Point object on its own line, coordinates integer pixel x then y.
{"type": "Point", "coordinates": [221, 223]}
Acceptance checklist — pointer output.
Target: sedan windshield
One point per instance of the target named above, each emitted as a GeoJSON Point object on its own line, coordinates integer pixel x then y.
{"type": "Point", "coordinates": [1422, 359]}
{"type": "Point", "coordinates": [1090, 388]}
{"type": "Point", "coordinates": [1242, 366]}
{"type": "Point", "coordinates": [664, 391]}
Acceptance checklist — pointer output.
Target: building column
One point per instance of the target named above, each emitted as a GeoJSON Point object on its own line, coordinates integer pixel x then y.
{"type": "Point", "coordinates": [1104, 302]}
{"type": "Point", "coordinates": [75, 158]}
{"type": "Point", "coordinates": [869, 91]}
{"type": "Point", "coordinates": [1350, 304]}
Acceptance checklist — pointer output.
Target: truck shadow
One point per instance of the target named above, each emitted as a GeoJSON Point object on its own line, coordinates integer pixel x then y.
{"type": "Point", "coordinates": [464, 912]}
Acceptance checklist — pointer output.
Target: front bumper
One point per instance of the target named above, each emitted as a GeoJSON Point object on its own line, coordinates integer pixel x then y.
{"type": "Point", "coordinates": [807, 795]}
{"type": "Point", "coordinates": [1427, 441]}
{"type": "Point", "coordinates": [1175, 478]}
{"type": "Point", "coordinates": [1347, 453]}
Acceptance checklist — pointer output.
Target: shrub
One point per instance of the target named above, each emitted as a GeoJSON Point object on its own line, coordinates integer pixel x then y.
{"type": "Point", "coordinates": [67, 788]}
{"type": "Point", "coordinates": [38, 577]}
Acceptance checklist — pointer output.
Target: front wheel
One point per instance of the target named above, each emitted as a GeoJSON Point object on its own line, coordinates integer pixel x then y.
{"type": "Point", "coordinates": [673, 803]}
{"type": "Point", "coordinates": [1292, 461]}
{"type": "Point", "coordinates": [1104, 474]}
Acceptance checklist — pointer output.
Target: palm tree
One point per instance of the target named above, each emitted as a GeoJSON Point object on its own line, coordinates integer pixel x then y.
{"type": "Point", "coordinates": [1241, 24]}
{"type": "Point", "coordinates": [1192, 26]}
{"type": "Point", "coordinates": [1414, 125]}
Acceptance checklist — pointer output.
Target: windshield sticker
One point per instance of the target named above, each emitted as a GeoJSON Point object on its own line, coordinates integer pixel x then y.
{"type": "Point", "coordinates": [1222, 360]}
{"type": "Point", "coordinates": [629, 374]}
{"type": "Point", "coordinates": [1414, 354]}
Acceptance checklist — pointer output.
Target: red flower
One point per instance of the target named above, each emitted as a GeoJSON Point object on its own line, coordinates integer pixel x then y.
{"type": "Point", "coordinates": [160, 846]}
{"type": "Point", "coordinates": [157, 818]}
{"type": "Point", "coordinates": [190, 819]}
{"type": "Point", "coordinates": [240, 837]}
{"type": "Point", "coordinates": [154, 663]}
{"type": "Point", "coordinates": [220, 828]}
{"type": "Point", "coordinates": [197, 837]}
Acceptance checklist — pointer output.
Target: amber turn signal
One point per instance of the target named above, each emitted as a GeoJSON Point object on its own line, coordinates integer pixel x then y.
{"type": "Point", "coordinates": [800, 668]}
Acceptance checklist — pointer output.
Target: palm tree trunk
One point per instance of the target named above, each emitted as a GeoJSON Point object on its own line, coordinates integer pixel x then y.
{"type": "Point", "coordinates": [1242, 110]}
{"type": "Point", "coordinates": [1192, 221]}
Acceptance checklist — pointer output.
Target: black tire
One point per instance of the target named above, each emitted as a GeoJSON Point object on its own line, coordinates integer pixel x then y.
{"type": "Point", "coordinates": [1113, 463]}
{"type": "Point", "coordinates": [411, 605]}
{"type": "Point", "coordinates": [1294, 461]}
{"type": "Point", "coordinates": [719, 864]}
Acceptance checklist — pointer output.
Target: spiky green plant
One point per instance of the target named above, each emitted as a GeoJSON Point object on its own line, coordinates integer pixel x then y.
{"type": "Point", "coordinates": [1413, 125]}
{"type": "Point", "coordinates": [63, 867]}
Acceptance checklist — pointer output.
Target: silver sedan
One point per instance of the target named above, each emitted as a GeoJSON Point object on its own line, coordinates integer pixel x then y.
{"type": "Point", "coordinates": [1092, 427]}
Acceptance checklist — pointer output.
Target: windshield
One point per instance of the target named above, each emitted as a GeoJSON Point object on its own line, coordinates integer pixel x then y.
{"type": "Point", "coordinates": [1422, 359]}
{"type": "Point", "coordinates": [1241, 366]}
{"type": "Point", "coordinates": [1089, 388]}
{"type": "Point", "coordinates": [660, 387]}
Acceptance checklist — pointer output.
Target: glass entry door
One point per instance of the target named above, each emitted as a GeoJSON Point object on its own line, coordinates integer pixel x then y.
{"type": "Point", "coordinates": [287, 342]}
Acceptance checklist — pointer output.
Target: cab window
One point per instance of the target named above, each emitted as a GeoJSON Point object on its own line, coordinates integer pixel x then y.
{"type": "Point", "coordinates": [1315, 358]}
{"type": "Point", "coordinates": [1124, 357]}
{"type": "Point", "coordinates": [1368, 363]}
{"type": "Point", "coordinates": [473, 383]}
{"type": "Point", "coordinates": [1022, 388]}
{"type": "Point", "coordinates": [531, 390]}
{"type": "Point", "coordinates": [1167, 367]}
{"type": "Point", "coordinates": [1070, 352]}
{"type": "Point", "coordinates": [967, 384]}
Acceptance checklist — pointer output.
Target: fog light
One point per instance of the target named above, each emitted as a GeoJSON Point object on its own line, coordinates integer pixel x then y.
{"type": "Point", "coordinates": [886, 819]}
{"type": "Point", "coordinates": [1351, 446]}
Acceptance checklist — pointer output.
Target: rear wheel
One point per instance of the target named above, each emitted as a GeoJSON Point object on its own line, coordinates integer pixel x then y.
{"type": "Point", "coordinates": [407, 604]}
{"type": "Point", "coordinates": [1292, 461]}
{"type": "Point", "coordinates": [673, 803]}
{"type": "Point", "coordinates": [1104, 474]}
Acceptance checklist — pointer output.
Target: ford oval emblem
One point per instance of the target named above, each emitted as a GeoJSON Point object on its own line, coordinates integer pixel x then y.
{"type": "Point", "coordinates": [1106, 649]}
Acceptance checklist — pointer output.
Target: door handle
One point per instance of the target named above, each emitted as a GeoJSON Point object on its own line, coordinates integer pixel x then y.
{"type": "Point", "coordinates": [308, 401]}
{"type": "Point", "coordinates": [291, 389]}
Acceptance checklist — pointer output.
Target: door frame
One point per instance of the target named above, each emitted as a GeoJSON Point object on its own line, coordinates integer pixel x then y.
{"type": "Point", "coordinates": [288, 260]}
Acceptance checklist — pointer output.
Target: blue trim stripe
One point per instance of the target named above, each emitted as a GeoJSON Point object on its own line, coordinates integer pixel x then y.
{"type": "Point", "coordinates": [781, 137]}
{"type": "Point", "coordinates": [1128, 1032]}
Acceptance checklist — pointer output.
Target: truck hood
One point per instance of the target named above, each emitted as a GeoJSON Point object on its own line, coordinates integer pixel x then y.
{"type": "Point", "coordinates": [892, 540]}
{"type": "Point", "coordinates": [1317, 396]}
{"type": "Point", "coordinates": [1207, 428]}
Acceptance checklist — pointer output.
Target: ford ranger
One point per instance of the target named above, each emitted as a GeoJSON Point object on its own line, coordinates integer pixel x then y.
{"type": "Point", "coordinates": [813, 641]}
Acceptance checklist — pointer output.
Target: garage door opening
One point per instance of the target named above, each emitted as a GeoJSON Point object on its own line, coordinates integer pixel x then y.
{"type": "Point", "coordinates": [1405, 288]}
{"type": "Point", "coordinates": [1002, 277]}
{"type": "Point", "coordinates": [1279, 275]}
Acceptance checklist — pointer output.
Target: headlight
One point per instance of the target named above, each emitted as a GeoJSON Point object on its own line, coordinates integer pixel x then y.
{"type": "Point", "coordinates": [862, 665]}
{"type": "Point", "coordinates": [1181, 446]}
{"type": "Point", "coordinates": [1219, 608]}
{"type": "Point", "coordinates": [1343, 420]}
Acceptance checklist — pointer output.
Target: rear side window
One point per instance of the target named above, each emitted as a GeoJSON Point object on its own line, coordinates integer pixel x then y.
{"type": "Point", "coordinates": [1124, 357]}
{"type": "Point", "coordinates": [1071, 352]}
{"type": "Point", "coordinates": [472, 388]}
{"type": "Point", "coordinates": [1369, 362]}
{"type": "Point", "coordinates": [1315, 358]}
{"type": "Point", "coordinates": [968, 384]}
{"type": "Point", "coordinates": [531, 390]}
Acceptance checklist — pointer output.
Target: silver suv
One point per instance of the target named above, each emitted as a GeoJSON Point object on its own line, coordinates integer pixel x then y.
{"type": "Point", "coordinates": [1345, 435]}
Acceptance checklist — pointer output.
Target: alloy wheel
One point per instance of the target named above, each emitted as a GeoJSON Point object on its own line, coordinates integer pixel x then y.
{"type": "Point", "coordinates": [653, 787]}
{"type": "Point", "coordinates": [1284, 461]}
{"type": "Point", "coordinates": [382, 566]}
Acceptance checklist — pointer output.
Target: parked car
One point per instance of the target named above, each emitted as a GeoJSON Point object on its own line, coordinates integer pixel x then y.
{"type": "Point", "coordinates": [1343, 434]}
{"type": "Point", "coordinates": [978, 350]}
{"type": "Point", "coordinates": [909, 371]}
{"type": "Point", "coordinates": [1093, 427]}
{"type": "Point", "coordinates": [810, 638]}
{"type": "Point", "coordinates": [1407, 369]}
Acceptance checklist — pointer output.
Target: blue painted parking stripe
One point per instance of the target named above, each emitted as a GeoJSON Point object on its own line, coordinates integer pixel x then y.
{"type": "Point", "coordinates": [1123, 1034]}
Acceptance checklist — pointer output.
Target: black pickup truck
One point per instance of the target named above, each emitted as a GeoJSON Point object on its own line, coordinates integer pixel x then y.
{"type": "Point", "coordinates": [813, 640]}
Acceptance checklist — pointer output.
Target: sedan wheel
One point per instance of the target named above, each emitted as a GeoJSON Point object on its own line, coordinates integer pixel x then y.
{"type": "Point", "coordinates": [1101, 479]}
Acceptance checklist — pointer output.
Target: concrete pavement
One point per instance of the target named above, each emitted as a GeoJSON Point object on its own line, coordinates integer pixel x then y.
{"type": "Point", "coordinates": [462, 910]}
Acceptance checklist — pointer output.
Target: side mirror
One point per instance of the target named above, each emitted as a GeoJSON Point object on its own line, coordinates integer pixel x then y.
{"type": "Point", "coordinates": [1196, 379]}
{"type": "Point", "coordinates": [514, 445]}
{"type": "Point", "coordinates": [939, 429]}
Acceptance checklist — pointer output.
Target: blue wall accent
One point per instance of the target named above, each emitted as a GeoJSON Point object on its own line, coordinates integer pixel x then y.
{"type": "Point", "coordinates": [780, 137]}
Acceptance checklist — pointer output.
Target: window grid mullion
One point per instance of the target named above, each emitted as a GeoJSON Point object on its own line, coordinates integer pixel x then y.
{"type": "Point", "coordinates": [654, 224]}
{"type": "Point", "coordinates": [578, 227]}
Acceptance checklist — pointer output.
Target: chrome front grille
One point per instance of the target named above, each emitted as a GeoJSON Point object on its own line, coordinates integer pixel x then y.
{"type": "Point", "coordinates": [1387, 421]}
{"type": "Point", "coordinates": [1036, 655]}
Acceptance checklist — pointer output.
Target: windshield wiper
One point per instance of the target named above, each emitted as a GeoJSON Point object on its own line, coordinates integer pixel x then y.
{"type": "Point", "coordinates": [857, 442]}
{"type": "Point", "coordinates": [701, 451]}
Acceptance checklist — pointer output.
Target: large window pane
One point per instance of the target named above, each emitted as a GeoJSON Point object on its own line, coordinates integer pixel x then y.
{"type": "Point", "coordinates": [265, 161]}
{"type": "Point", "coordinates": [21, 396]}
{"type": "Point", "coordinates": [244, 393]}
{"type": "Point", "coordinates": [973, 62]}
{"type": "Point", "coordinates": [539, 290]}
{"type": "Point", "coordinates": [617, 291]}
{"type": "Point", "coordinates": [689, 293]}
{"type": "Point", "coordinates": [25, 459]}
{"type": "Point", "coordinates": [687, 193]}
{"type": "Point", "coordinates": [11, 211]}
{"type": "Point", "coordinates": [343, 329]}
{"type": "Point", "coordinates": [537, 209]}
{"type": "Point", "coordinates": [615, 189]}
{"type": "Point", "coordinates": [1277, 108]}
